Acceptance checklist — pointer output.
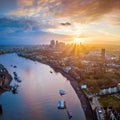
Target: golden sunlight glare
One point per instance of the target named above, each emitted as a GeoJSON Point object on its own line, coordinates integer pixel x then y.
{"type": "Point", "coordinates": [77, 40]}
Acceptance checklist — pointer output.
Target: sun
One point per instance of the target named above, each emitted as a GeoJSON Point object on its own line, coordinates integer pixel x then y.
{"type": "Point", "coordinates": [77, 40]}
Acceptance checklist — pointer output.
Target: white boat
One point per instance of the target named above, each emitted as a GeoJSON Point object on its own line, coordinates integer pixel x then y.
{"type": "Point", "coordinates": [18, 79]}
{"type": "Point", "coordinates": [61, 104]}
{"type": "Point", "coordinates": [14, 88]}
{"type": "Point", "coordinates": [62, 92]}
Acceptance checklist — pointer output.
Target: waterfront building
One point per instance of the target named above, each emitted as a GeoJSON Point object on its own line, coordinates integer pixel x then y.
{"type": "Point", "coordinates": [83, 86]}
{"type": "Point", "coordinates": [118, 86]}
{"type": "Point", "coordinates": [110, 90]}
{"type": "Point", "coordinates": [67, 69]}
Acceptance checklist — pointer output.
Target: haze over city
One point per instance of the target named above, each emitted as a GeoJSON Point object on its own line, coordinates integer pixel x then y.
{"type": "Point", "coordinates": [39, 21]}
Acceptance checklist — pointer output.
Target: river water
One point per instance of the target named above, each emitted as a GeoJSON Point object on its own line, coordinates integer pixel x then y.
{"type": "Point", "coordinates": [38, 92]}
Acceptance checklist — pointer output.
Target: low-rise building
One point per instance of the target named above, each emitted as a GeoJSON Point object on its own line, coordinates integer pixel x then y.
{"type": "Point", "coordinates": [110, 90]}
{"type": "Point", "coordinates": [67, 69]}
{"type": "Point", "coordinates": [83, 86]}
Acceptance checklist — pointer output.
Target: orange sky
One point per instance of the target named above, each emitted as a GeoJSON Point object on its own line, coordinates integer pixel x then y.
{"type": "Point", "coordinates": [92, 21]}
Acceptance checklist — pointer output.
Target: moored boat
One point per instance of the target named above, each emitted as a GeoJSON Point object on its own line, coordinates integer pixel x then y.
{"type": "Point", "coordinates": [61, 104]}
{"type": "Point", "coordinates": [14, 88]}
{"type": "Point", "coordinates": [62, 92]}
{"type": "Point", "coordinates": [18, 79]}
{"type": "Point", "coordinates": [15, 74]}
{"type": "Point", "coordinates": [69, 113]}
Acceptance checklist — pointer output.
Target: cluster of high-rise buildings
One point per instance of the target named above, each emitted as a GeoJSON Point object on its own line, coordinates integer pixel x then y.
{"type": "Point", "coordinates": [56, 44]}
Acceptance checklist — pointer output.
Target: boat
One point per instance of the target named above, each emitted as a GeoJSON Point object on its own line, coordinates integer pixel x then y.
{"type": "Point", "coordinates": [61, 104]}
{"type": "Point", "coordinates": [15, 66]}
{"type": "Point", "coordinates": [15, 77]}
{"type": "Point", "coordinates": [15, 74]}
{"type": "Point", "coordinates": [18, 79]}
{"type": "Point", "coordinates": [14, 88]}
{"type": "Point", "coordinates": [62, 92]}
{"type": "Point", "coordinates": [69, 113]}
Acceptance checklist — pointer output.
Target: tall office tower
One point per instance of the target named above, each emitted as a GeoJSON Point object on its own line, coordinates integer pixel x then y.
{"type": "Point", "coordinates": [52, 43]}
{"type": "Point", "coordinates": [103, 53]}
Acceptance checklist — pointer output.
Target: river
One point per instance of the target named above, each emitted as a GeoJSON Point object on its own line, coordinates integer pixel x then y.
{"type": "Point", "coordinates": [38, 92]}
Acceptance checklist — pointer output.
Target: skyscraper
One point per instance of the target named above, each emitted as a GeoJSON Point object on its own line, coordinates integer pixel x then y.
{"type": "Point", "coordinates": [52, 44]}
{"type": "Point", "coordinates": [103, 53]}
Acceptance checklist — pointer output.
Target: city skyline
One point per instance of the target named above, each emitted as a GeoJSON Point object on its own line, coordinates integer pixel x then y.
{"type": "Point", "coordinates": [39, 21]}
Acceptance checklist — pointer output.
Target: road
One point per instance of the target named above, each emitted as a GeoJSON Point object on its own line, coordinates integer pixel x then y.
{"type": "Point", "coordinates": [95, 103]}
{"type": "Point", "coordinates": [84, 101]}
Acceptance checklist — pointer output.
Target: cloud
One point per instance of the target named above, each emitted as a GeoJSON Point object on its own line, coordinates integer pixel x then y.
{"type": "Point", "coordinates": [33, 8]}
{"type": "Point", "coordinates": [65, 24]}
{"type": "Point", "coordinates": [81, 11]}
{"type": "Point", "coordinates": [20, 25]}
{"type": "Point", "coordinates": [87, 10]}
{"type": "Point", "coordinates": [9, 25]}
{"type": "Point", "coordinates": [115, 18]}
{"type": "Point", "coordinates": [25, 12]}
{"type": "Point", "coordinates": [25, 3]}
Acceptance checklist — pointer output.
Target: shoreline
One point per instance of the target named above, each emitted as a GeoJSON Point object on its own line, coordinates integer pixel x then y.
{"type": "Point", "coordinates": [7, 80]}
{"type": "Point", "coordinates": [89, 113]}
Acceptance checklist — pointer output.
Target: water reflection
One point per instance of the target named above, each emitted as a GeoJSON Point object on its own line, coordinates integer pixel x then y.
{"type": "Point", "coordinates": [38, 93]}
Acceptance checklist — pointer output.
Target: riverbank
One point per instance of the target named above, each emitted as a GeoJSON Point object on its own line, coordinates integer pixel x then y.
{"type": "Point", "coordinates": [82, 97]}
{"type": "Point", "coordinates": [5, 79]}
